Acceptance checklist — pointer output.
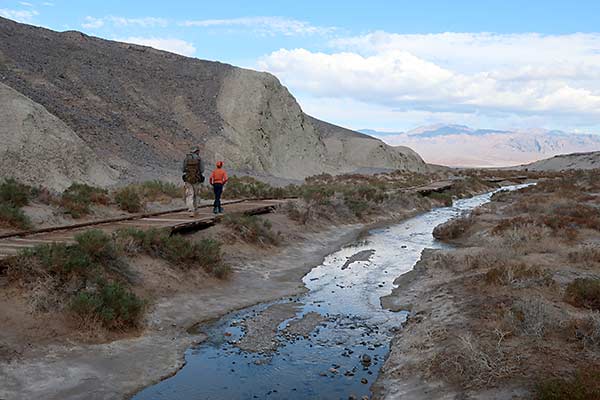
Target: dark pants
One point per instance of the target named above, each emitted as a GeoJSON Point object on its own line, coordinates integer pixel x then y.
{"type": "Point", "coordinates": [218, 188]}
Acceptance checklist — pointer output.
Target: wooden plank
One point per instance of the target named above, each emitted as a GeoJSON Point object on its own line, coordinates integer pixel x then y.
{"type": "Point", "coordinates": [104, 221]}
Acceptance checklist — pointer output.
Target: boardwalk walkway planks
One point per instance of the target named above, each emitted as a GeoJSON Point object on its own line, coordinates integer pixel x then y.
{"type": "Point", "coordinates": [178, 220]}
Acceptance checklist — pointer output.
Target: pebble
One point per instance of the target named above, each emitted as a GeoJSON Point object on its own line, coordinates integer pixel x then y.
{"type": "Point", "coordinates": [364, 381]}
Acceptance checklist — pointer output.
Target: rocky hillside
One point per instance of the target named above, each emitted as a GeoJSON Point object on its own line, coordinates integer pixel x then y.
{"type": "Point", "coordinates": [38, 147]}
{"type": "Point", "coordinates": [139, 109]}
{"type": "Point", "coordinates": [563, 162]}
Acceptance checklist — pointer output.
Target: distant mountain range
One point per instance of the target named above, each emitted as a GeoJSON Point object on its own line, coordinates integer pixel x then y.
{"type": "Point", "coordinates": [460, 145]}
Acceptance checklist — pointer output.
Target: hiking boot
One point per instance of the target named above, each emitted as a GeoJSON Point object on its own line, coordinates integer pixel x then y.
{"type": "Point", "coordinates": [215, 210]}
{"type": "Point", "coordinates": [221, 210]}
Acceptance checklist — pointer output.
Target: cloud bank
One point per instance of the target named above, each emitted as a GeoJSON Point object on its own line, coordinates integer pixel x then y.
{"type": "Point", "coordinates": [25, 16]}
{"type": "Point", "coordinates": [269, 26]}
{"type": "Point", "coordinates": [490, 74]}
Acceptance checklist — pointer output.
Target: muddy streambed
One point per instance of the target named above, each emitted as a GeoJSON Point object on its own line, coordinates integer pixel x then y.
{"type": "Point", "coordinates": [329, 343]}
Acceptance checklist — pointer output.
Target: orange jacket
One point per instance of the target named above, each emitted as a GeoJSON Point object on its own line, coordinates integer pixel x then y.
{"type": "Point", "coordinates": [218, 176]}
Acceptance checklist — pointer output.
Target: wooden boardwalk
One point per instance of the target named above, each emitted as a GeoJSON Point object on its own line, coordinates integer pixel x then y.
{"type": "Point", "coordinates": [178, 220]}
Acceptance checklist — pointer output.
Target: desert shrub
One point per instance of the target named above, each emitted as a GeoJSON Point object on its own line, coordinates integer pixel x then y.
{"type": "Point", "coordinates": [60, 259]}
{"type": "Point", "coordinates": [585, 385]}
{"type": "Point", "coordinates": [320, 195]}
{"type": "Point", "coordinates": [296, 212]}
{"type": "Point", "coordinates": [92, 255]}
{"type": "Point", "coordinates": [586, 330]}
{"type": "Point", "coordinates": [88, 275]}
{"type": "Point", "coordinates": [518, 275]}
{"type": "Point", "coordinates": [472, 362]}
{"type": "Point", "coordinates": [514, 223]}
{"type": "Point", "coordinates": [252, 229]}
{"type": "Point", "coordinates": [444, 198]}
{"type": "Point", "coordinates": [155, 189]}
{"type": "Point", "coordinates": [584, 293]}
{"type": "Point", "coordinates": [77, 198]}
{"type": "Point", "coordinates": [14, 193]}
{"type": "Point", "coordinates": [112, 304]}
{"type": "Point", "coordinates": [176, 249]}
{"type": "Point", "coordinates": [454, 228]}
{"type": "Point", "coordinates": [585, 254]}
{"type": "Point", "coordinates": [14, 217]}
{"type": "Point", "coordinates": [573, 215]}
{"type": "Point", "coordinates": [533, 317]}
{"type": "Point", "coordinates": [128, 199]}
{"type": "Point", "coordinates": [357, 206]}
{"type": "Point", "coordinates": [97, 245]}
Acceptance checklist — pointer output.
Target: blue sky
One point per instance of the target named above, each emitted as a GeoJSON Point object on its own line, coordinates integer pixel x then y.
{"type": "Point", "coordinates": [388, 65]}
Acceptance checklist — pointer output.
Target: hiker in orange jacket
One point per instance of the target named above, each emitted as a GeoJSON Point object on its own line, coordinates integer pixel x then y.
{"type": "Point", "coordinates": [218, 179]}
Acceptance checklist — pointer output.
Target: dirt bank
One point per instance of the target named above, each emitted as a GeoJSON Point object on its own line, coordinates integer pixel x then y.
{"type": "Point", "coordinates": [510, 313]}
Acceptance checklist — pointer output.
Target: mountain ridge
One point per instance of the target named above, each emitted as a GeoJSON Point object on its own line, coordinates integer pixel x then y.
{"type": "Point", "coordinates": [140, 109]}
{"type": "Point", "coordinates": [462, 146]}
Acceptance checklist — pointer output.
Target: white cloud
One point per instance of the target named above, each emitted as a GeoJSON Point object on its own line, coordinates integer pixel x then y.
{"type": "Point", "coordinates": [263, 25]}
{"type": "Point", "coordinates": [93, 23]}
{"type": "Point", "coordinates": [18, 15]}
{"type": "Point", "coordinates": [466, 73]}
{"type": "Point", "coordinates": [24, 3]}
{"type": "Point", "coordinates": [48, 4]}
{"type": "Point", "coordinates": [177, 46]}
{"type": "Point", "coordinates": [144, 22]}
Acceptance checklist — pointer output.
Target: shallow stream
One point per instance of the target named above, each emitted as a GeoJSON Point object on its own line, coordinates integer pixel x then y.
{"type": "Point", "coordinates": [342, 355]}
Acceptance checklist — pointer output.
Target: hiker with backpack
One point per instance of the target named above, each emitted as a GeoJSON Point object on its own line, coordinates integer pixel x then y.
{"type": "Point", "coordinates": [218, 179]}
{"type": "Point", "coordinates": [193, 169]}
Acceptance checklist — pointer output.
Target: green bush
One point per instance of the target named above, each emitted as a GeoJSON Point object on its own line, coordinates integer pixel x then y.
{"type": "Point", "coordinates": [14, 217]}
{"type": "Point", "coordinates": [114, 305]}
{"type": "Point", "coordinates": [320, 195]}
{"type": "Point", "coordinates": [77, 198]}
{"type": "Point", "coordinates": [584, 292]}
{"type": "Point", "coordinates": [176, 249]}
{"type": "Point", "coordinates": [444, 198]}
{"type": "Point", "coordinates": [154, 190]}
{"type": "Point", "coordinates": [92, 253]}
{"type": "Point", "coordinates": [14, 194]}
{"type": "Point", "coordinates": [358, 207]}
{"type": "Point", "coordinates": [585, 385]}
{"type": "Point", "coordinates": [128, 199]}
{"type": "Point", "coordinates": [252, 229]}
{"type": "Point", "coordinates": [97, 245]}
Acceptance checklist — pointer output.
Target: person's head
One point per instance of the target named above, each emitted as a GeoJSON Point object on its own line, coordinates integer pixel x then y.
{"type": "Point", "coordinates": [195, 150]}
{"type": "Point", "coordinates": [219, 164]}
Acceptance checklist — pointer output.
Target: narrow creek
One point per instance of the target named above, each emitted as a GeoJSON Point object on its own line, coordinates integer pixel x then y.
{"type": "Point", "coordinates": [326, 344]}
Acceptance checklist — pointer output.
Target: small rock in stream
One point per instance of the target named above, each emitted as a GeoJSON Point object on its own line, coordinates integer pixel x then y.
{"type": "Point", "coordinates": [365, 359]}
{"type": "Point", "coordinates": [364, 381]}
